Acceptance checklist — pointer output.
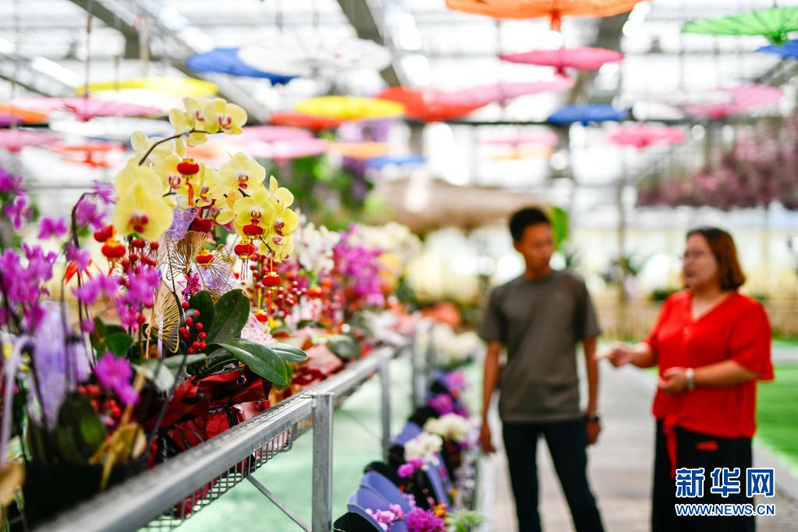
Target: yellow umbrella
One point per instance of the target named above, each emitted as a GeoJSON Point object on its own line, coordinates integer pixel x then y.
{"type": "Point", "coordinates": [181, 87]}
{"type": "Point", "coordinates": [360, 150]}
{"type": "Point", "coordinates": [350, 107]}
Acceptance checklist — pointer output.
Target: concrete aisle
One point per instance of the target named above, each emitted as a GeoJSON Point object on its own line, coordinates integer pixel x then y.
{"type": "Point", "coordinates": [619, 467]}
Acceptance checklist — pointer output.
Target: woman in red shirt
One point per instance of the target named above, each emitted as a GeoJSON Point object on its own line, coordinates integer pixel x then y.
{"type": "Point", "coordinates": [711, 345]}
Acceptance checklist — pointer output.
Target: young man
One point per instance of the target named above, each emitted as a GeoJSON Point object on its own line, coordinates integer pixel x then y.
{"type": "Point", "coordinates": [539, 318]}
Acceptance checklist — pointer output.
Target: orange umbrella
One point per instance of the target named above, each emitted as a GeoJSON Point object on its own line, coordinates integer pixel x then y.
{"type": "Point", "coordinates": [428, 105]}
{"type": "Point", "coordinates": [27, 116]}
{"type": "Point", "coordinates": [360, 150]}
{"type": "Point", "coordinates": [296, 119]}
{"type": "Point", "coordinates": [554, 9]}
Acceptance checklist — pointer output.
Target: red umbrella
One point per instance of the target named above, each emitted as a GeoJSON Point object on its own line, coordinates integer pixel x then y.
{"type": "Point", "coordinates": [562, 58]}
{"type": "Point", "coordinates": [89, 149]}
{"type": "Point", "coordinates": [642, 136]}
{"type": "Point", "coordinates": [743, 98]}
{"type": "Point", "coordinates": [296, 119]}
{"type": "Point", "coordinates": [502, 92]}
{"type": "Point", "coordinates": [86, 108]}
{"type": "Point", "coordinates": [428, 105]}
{"type": "Point", "coordinates": [14, 140]}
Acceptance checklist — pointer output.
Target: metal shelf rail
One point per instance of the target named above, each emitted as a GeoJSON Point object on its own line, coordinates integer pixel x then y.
{"type": "Point", "coordinates": [164, 497]}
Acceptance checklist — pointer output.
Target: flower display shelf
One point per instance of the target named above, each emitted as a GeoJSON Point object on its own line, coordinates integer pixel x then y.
{"type": "Point", "coordinates": [166, 496]}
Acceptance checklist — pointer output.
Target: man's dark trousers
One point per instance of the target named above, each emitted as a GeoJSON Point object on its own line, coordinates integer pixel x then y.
{"type": "Point", "coordinates": [567, 442]}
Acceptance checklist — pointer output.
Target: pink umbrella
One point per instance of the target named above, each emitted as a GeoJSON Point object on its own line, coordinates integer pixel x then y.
{"type": "Point", "coordinates": [642, 136]}
{"type": "Point", "coordinates": [86, 108]}
{"type": "Point", "coordinates": [562, 58]}
{"type": "Point", "coordinates": [7, 120]}
{"type": "Point", "coordinates": [742, 98]}
{"type": "Point", "coordinates": [538, 138]}
{"type": "Point", "coordinates": [14, 140]}
{"type": "Point", "coordinates": [272, 134]}
{"type": "Point", "coordinates": [503, 92]}
{"type": "Point", "coordinates": [286, 150]}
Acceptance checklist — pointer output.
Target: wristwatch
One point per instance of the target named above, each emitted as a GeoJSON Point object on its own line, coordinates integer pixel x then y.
{"type": "Point", "coordinates": [594, 417]}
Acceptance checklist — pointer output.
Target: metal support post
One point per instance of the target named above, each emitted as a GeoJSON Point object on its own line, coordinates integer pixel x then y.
{"type": "Point", "coordinates": [385, 403]}
{"type": "Point", "coordinates": [322, 461]}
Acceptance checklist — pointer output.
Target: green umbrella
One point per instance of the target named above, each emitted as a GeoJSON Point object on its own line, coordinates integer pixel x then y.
{"type": "Point", "coordinates": [773, 23]}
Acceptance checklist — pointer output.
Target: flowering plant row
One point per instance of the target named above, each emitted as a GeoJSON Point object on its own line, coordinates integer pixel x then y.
{"type": "Point", "coordinates": [168, 307]}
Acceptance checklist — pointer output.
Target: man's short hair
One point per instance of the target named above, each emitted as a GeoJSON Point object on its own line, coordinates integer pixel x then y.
{"type": "Point", "coordinates": [524, 218]}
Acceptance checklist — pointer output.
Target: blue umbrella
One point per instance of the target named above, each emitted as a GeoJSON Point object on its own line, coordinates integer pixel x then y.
{"type": "Point", "coordinates": [585, 113]}
{"type": "Point", "coordinates": [786, 50]}
{"type": "Point", "coordinates": [394, 160]}
{"type": "Point", "coordinates": [226, 61]}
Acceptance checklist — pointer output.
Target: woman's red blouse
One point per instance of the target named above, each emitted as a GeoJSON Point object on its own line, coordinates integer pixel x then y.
{"type": "Point", "coordinates": [736, 329]}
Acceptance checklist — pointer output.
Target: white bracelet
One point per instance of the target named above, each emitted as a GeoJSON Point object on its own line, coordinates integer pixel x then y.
{"type": "Point", "coordinates": [690, 374]}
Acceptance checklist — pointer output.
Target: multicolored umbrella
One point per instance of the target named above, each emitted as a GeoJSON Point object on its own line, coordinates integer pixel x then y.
{"type": "Point", "coordinates": [553, 9]}
{"type": "Point", "coordinates": [503, 92]}
{"type": "Point", "coordinates": [346, 108]}
{"type": "Point", "coordinates": [292, 118]}
{"type": "Point", "coordinates": [26, 116]}
{"type": "Point", "coordinates": [314, 55]}
{"type": "Point", "coordinates": [562, 58]}
{"type": "Point", "coordinates": [587, 113]}
{"type": "Point", "coordinates": [775, 24]}
{"type": "Point", "coordinates": [428, 105]}
{"type": "Point", "coordinates": [642, 136]}
{"type": "Point", "coordinates": [14, 140]}
{"type": "Point", "coordinates": [86, 108]}
{"type": "Point", "coordinates": [741, 99]}
{"type": "Point", "coordinates": [787, 50]}
{"type": "Point", "coordinates": [226, 61]}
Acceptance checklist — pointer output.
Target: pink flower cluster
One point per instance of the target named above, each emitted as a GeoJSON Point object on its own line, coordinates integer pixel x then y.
{"type": "Point", "coordinates": [407, 470]}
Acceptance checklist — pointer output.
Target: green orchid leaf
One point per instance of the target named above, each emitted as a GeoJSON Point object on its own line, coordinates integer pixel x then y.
{"type": "Point", "coordinates": [260, 359]}
{"type": "Point", "coordinates": [118, 343]}
{"type": "Point", "coordinates": [231, 313]}
{"type": "Point", "coordinates": [344, 346]}
{"type": "Point", "coordinates": [289, 353]}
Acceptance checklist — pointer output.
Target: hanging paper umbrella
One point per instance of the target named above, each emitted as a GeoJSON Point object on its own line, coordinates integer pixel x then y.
{"type": "Point", "coordinates": [349, 108]}
{"type": "Point", "coordinates": [286, 150]}
{"type": "Point", "coordinates": [14, 140]}
{"type": "Point", "coordinates": [86, 108]}
{"type": "Point", "coordinates": [89, 150]}
{"type": "Point", "coordinates": [742, 98]}
{"type": "Point", "coordinates": [180, 87]}
{"type": "Point", "coordinates": [395, 160]}
{"type": "Point", "coordinates": [774, 23]}
{"type": "Point", "coordinates": [428, 105]}
{"type": "Point", "coordinates": [292, 118]}
{"type": "Point", "coordinates": [27, 116]}
{"type": "Point", "coordinates": [314, 55]}
{"type": "Point", "coordinates": [562, 58]}
{"type": "Point", "coordinates": [554, 9]}
{"type": "Point", "coordinates": [787, 50]}
{"type": "Point", "coordinates": [360, 150]}
{"type": "Point", "coordinates": [586, 113]}
{"type": "Point", "coordinates": [504, 92]}
{"type": "Point", "coordinates": [271, 134]}
{"type": "Point", "coordinates": [641, 136]}
{"type": "Point", "coordinates": [226, 61]}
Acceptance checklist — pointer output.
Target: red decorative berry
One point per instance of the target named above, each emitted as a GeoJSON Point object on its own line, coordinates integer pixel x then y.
{"type": "Point", "coordinates": [199, 326]}
{"type": "Point", "coordinates": [201, 225]}
{"type": "Point", "coordinates": [185, 304]}
{"type": "Point", "coordinates": [137, 243]}
{"type": "Point", "coordinates": [202, 336]}
{"type": "Point", "coordinates": [190, 321]}
{"type": "Point", "coordinates": [141, 319]}
{"type": "Point", "coordinates": [190, 351]}
{"type": "Point", "coordinates": [154, 246]}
